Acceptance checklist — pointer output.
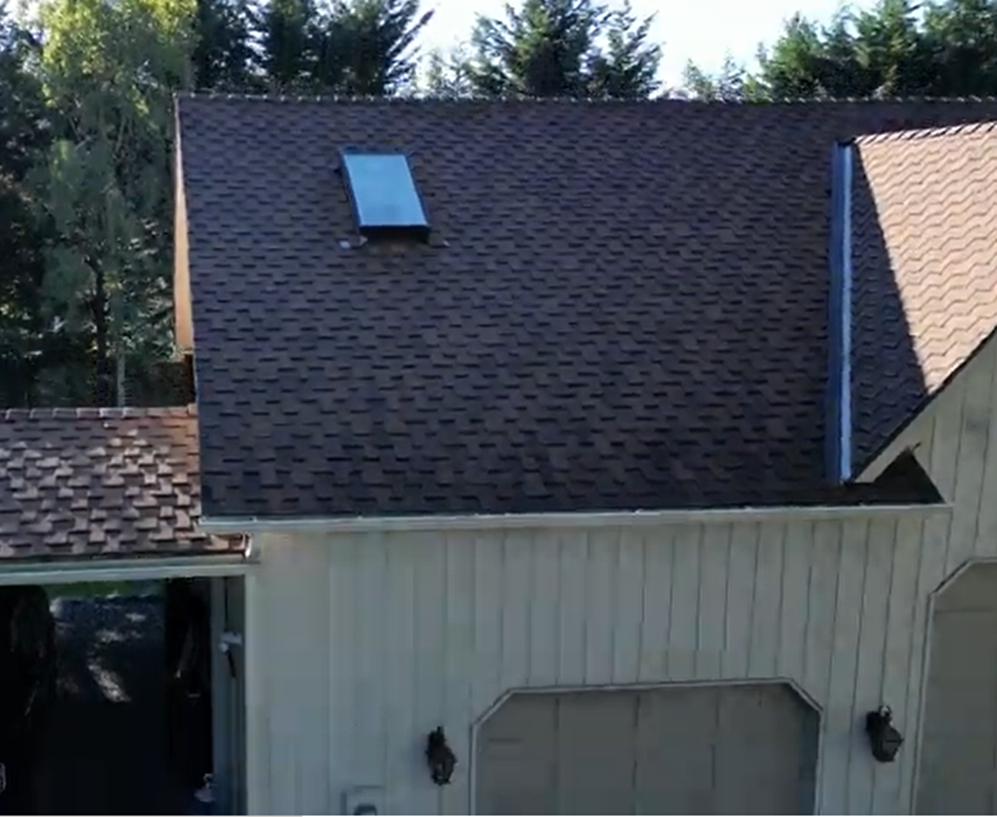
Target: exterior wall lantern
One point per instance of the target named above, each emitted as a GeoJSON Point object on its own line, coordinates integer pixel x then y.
{"type": "Point", "coordinates": [440, 757]}
{"type": "Point", "coordinates": [884, 739]}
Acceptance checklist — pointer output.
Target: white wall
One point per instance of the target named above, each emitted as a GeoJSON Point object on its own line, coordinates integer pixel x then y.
{"type": "Point", "coordinates": [956, 441]}
{"type": "Point", "coordinates": [372, 641]}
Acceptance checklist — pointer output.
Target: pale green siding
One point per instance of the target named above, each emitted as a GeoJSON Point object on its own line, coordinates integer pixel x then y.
{"type": "Point", "coordinates": [960, 450]}
{"type": "Point", "coordinates": [372, 641]}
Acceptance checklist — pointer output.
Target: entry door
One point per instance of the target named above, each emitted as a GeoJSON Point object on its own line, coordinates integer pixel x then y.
{"type": "Point", "coordinates": [745, 749]}
{"type": "Point", "coordinates": [228, 668]}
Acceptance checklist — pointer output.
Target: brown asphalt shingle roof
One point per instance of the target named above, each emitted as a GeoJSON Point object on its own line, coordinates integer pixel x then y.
{"type": "Point", "coordinates": [100, 482]}
{"type": "Point", "coordinates": [624, 305]}
{"type": "Point", "coordinates": [924, 269]}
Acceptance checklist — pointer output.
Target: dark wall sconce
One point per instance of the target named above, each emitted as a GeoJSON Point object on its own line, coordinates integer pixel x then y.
{"type": "Point", "coordinates": [884, 739]}
{"type": "Point", "coordinates": [440, 757]}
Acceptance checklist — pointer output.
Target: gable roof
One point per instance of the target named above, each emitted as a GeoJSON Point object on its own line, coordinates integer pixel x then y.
{"type": "Point", "coordinates": [623, 305]}
{"type": "Point", "coordinates": [924, 237]}
{"type": "Point", "coordinates": [100, 482]}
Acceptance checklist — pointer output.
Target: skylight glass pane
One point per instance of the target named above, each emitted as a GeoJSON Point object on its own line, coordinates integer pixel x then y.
{"type": "Point", "coordinates": [383, 190]}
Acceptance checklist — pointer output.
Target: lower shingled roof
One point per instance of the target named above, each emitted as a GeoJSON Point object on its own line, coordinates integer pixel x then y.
{"type": "Point", "coordinates": [101, 483]}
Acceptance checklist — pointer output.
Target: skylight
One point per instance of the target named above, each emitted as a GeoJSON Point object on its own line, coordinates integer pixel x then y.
{"type": "Point", "coordinates": [383, 192]}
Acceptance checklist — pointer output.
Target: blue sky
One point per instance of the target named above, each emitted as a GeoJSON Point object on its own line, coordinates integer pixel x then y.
{"type": "Point", "coordinates": [700, 30]}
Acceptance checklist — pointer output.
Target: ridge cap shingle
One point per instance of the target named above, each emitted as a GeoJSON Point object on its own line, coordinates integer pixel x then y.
{"type": "Point", "coordinates": [98, 413]}
{"type": "Point", "coordinates": [277, 97]}
{"type": "Point", "coordinates": [980, 128]}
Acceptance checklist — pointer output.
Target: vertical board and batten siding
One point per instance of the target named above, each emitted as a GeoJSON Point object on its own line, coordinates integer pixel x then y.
{"type": "Point", "coordinates": [955, 440]}
{"type": "Point", "coordinates": [377, 639]}
{"type": "Point", "coordinates": [952, 439]}
{"type": "Point", "coordinates": [371, 641]}
{"type": "Point", "coordinates": [959, 449]}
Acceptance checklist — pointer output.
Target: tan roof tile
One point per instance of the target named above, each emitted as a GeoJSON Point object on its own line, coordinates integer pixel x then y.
{"type": "Point", "coordinates": [925, 268]}
{"type": "Point", "coordinates": [93, 482]}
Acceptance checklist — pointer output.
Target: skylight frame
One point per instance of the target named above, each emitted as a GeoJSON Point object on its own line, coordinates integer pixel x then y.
{"type": "Point", "coordinates": [417, 223]}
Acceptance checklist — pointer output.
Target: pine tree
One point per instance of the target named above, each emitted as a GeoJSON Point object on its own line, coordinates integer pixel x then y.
{"type": "Point", "coordinates": [572, 48]}
{"type": "Point", "coordinates": [25, 343]}
{"type": "Point", "coordinates": [109, 68]}
{"type": "Point", "coordinates": [223, 55]}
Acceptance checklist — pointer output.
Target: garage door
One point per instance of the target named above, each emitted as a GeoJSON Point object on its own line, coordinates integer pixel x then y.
{"type": "Point", "coordinates": [958, 772]}
{"type": "Point", "coordinates": [745, 749]}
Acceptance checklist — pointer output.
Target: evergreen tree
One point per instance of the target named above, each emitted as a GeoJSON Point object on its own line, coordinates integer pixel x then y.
{"type": "Point", "coordinates": [446, 75]}
{"type": "Point", "coordinates": [900, 48]}
{"type": "Point", "coordinates": [960, 41]}
{"type": "Point", "coordinates": [729, 85]}
{"type": "Point", "coordinates": [628, 65]}
{"type": "Point", "coordinates": [369, 45]}
{"type": "Point", "coordinates": [109, 68]}
{"type": "Point", "coordinates": [291, 44]}
{"type": "Point", "coordinates": [223, 55]}
{"type": "Point", "coordinates": [564, 48]}
{"type": "Point", "coordinates": [540, 49]}
{"type": "Point", "coordinates": [353, 47]}
{"type": "Point", "coordinates": [24, 342]}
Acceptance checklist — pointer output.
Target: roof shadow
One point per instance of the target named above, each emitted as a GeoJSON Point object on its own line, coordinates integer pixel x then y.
{"type": "Point", "coordinates": [887, 382]}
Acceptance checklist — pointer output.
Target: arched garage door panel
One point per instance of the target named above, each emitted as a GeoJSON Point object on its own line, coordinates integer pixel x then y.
{"type": "Point", "coordinates": [680, 750]}
{"type": "Point", "coordinates": [958, 773]}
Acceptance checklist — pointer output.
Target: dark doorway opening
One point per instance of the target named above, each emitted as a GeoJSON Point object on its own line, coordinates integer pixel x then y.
{"type": "Point", "coordinates": [121, 719]}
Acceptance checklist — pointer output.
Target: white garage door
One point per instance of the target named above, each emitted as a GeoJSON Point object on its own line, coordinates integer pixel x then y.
{"type": "Point", "coordinates": [958, 772]}
{"type": "Point", "coordinates": [732, 749]}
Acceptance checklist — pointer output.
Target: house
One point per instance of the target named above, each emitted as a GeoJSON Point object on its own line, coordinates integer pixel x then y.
{"type": "Point", "coordinates": [643, 448]}
{"type": "Point", "coordinates": [112, 495]}
{"type": "Point", "coordinates": [634, 456]}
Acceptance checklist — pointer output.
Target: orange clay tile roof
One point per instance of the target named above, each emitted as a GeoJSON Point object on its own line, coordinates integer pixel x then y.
{"type": "Point", "coordinates": [924, 236]}
{"type": "Point", "coordinates": [100, 482]}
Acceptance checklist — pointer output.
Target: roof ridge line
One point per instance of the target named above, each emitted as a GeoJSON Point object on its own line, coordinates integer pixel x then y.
{"type": "Point", "coordinates": [97, 413]}
{"type": "Point", "coordinates": [915, 134]}
{"type": "Point", "coordinates": [278, 97]}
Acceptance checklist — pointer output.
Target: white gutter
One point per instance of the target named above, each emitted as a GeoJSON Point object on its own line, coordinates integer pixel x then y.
{"type": "Point", "coordinates": [845, 409]}
{"type": "Point", "coordinates": [71, 571]}
{"type": "Point", "coordinates": [560, 521]}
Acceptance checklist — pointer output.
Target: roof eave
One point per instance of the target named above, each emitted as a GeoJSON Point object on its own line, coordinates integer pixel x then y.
{"type": "Point", "coordinates": [894, 445]}
{"type": "Point", "coordinates": [559, 521]}
{"type": "Point", "coordinates": [80, 569]}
